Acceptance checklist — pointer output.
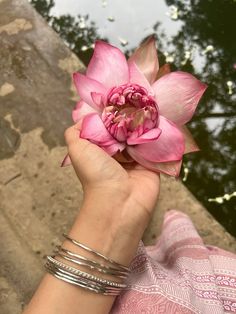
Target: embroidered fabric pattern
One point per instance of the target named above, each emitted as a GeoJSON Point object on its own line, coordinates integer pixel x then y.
{"type": "Point", "coordinates": [179, 274]}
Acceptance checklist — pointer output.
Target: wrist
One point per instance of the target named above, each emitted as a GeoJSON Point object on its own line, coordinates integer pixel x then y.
{"type": "Point", "coordinates": [113, 227]}
{"type": "Point", "coordinates": [116, 209]}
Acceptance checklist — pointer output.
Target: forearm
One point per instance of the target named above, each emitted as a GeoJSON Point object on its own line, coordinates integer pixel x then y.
{"type": "Point", "coordinates": [101, 225]}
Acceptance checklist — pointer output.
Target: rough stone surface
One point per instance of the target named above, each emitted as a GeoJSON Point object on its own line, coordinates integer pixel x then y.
{"type": "Point", "coordinates": [16, 26]}
{"type": "Point", "coordinates": [38, 199]}
{"type": "Point", "coordinates": [34, 60]}
{"type": "Point", "coordinates": [6, 89]}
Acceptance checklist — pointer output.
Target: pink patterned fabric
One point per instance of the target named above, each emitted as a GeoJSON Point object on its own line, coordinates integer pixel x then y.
{"type": "Point", "coordinates": [179, 274]}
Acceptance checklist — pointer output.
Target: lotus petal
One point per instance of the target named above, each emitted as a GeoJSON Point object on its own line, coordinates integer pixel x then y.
{"type": "Point", "coordinates": [171, 168]}
{"type": "Point", "coordinates": [165, 69]}
{"type": "Point", "coordinates": [190, 144]}
{"type": "Point", "coordinates": [85, 86]}
{"type": "Point", "coordinates": [81, 110]}
{"type": "Point", "coordinates": [146, 59]}
{"type": "Point", "coordinates": [113, 148]}
{"type": "Point", "coordinates": [177, 95]}
{"type": "Point", "coordinates": [137, 77]}
{"type": "Point", "coordinates": [94, 130]}
{"type": "Point", "coordinates": [66, 161]}
{"type": "Point", "coordinates": [98, 99]}
{"type": "Point", "coordinates": [147, 137]}
{"type": "Point", "coordinates": [168, 147]}
{"type": "Point", "coordinates": [108, 65]}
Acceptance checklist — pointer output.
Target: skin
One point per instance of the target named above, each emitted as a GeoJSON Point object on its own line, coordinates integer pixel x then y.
{"type": "Point", "coordinates": [117, 206]}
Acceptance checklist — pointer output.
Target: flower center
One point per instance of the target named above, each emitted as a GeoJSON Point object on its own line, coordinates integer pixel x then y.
{"type": "Point", "coordinates": [130, 111]}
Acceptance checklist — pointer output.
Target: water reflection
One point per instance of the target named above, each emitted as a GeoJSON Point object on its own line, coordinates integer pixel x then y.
{"type": "Point", "coordinates": [203, 45]}
{"type": "Point", "coordinates": [207, 29]}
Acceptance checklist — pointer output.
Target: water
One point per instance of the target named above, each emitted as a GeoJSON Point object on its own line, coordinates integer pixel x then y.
{"type": "Point", "coordinates": [196, 36]}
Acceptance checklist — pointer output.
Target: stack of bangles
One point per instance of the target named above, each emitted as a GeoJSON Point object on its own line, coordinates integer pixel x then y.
{"type": "Point", "coordinates": [84, 279]}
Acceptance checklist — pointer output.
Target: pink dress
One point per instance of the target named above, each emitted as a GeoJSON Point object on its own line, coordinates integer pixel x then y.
{"type": "Point", "coordinates": [179, 274]}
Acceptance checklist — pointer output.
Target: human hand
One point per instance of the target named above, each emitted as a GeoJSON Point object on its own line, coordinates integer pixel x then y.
{"type": "Point", "coordinates": [121, 197]}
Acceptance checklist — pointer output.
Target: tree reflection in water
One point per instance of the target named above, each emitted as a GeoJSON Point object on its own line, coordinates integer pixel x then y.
{"type": "Point", "coordinates": [77, 32]}
{"type": "Point", "coordinates": [213, 170]}
{"type": "Point", "coordinates": [207, 33]}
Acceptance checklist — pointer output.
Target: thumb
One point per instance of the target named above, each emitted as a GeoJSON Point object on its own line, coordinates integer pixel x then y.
{"type": "Point", "coordinates": [88, 159]}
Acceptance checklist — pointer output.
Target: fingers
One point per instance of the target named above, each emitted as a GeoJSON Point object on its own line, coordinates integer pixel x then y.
{"type": "Point", "coordinates": [72, 134]}
{"type": "Point", "coordinates": [75, 144]}
{"type": "Point", "coordinates": [76, 149]}
{"type": "Point", "coordinates": [87, 158]}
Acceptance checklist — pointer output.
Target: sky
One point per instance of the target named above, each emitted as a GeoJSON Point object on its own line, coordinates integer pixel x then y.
{"type": "Point", "coordinates": [133, 19]}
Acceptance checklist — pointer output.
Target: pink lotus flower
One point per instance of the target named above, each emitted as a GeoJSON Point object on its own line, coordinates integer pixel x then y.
{"type": "Point", "coordinates": [135, 107]}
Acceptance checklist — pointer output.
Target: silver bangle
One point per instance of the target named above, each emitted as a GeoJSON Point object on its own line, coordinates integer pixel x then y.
{"type": "Point", "coordinates": [82, 263]}
{"type": "Point", "coordinates": [84, 274]}
{"type": "Point", "coordinates": [95, 287]}
{"type": "Point", "coordinates": [124, 268]}
{"type": "Point", "coordinates": [91, 262]}
{"type": "Point", "coordinates": [80, 279]}
{"type": "Point", "coordinates": [84, 279]}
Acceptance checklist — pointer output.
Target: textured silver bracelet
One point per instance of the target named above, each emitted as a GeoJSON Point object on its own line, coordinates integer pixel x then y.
{"type": "Point", "coordinates": [114, 270]}
{"type": "Point", "coordinates": [83, 279]}
{"type": "Point", "coordinates": [76, 280]}
{"type": "Point", "coordinates": [75, 242]}
{"type": "Point", "coordinates": [83, 263]}
{"type": "Point", "coordinates": [84, 274]}
{"type": "Point", "coordinates": [80, 279]}
{"type": "Point", "coordinates": [74, 277]}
